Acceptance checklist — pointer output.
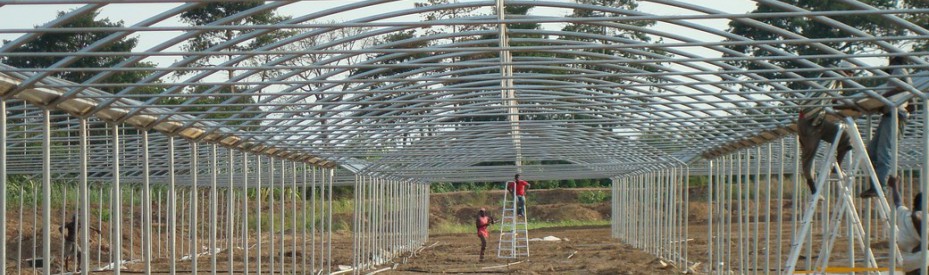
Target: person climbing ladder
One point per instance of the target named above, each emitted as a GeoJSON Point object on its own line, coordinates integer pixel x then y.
{"type": "Point", "coordinates": [514, 239]}
{"type": "Point", "coordinates": [519, 186]}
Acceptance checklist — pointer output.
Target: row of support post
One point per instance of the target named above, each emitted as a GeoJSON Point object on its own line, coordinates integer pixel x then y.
{"type": "Point", "coordinates": [391, 220]}
{"type": "Point", "coordinates": [757, 210]}
{"type": "Point", "coordinates": [271, 214]}
{"type": "Point", "coordinates": [650, 211]}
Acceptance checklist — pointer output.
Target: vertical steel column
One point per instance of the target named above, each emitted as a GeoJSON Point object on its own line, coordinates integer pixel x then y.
{"type": "Point", "coordinates": [720, 186]}
{"type": "Point", "coordinates": [767, 220]}
{"type": "Point", "coordinates": [85, 197]}
{"type": "Point", "coordinates": [258, 199]}
{"type": "Point", "coordinates": [322, 220]}
{"type": "Point", "coordinates": [271, 202]}
{"type": "Point", "coordinates": [131, 218]}
{"type": "Point", "coordinates": [283, 210]}
{"type": "Point", "coordinates": [160, 225]}
{"type": "Point", "coordinates": [3, 184]}
{"type": "Point", "coordinates": [172, 210]}
{"type": "Point", "coordinates": [757, 203]}
{"type": "Point", "coordinates": [194, 207]}
{"type": "Point", "coordinates": [99, 225]}
{"type": "Point", "coordinates": [731, 185]}
{"type": "Point", "coordinates": [741, 212]}
{"type": "Point", "coordinates": [924, 187]}
{"type": "Point", "coordinates": [868, 203]}
{"type": "Point", "coordinates": [780, 208]}
{"type": "Point", "coordinates": [146, 207]}
{"type": "Point", "coordinates": [303, 221]}
{"type": "Point", "coordinates": [355, 225]}
{"type": "Point", "coordinates": [230, 236]}
{"type": "Point", "coordinates": [213, 208]}
{"type": "Point", "coordinates": [710, 245]}
{"type": "Point", "coordinates": [686, 225]}
{"type": "Point", "coordinates": [64, 214]}
{"type": "Point", "coordinates": [46, 190]}
{"type": "Point", "coordinates": [313, 223]}
{"type": "Point", "coordinates": [329, 252]}
{"type": "Point", "coordinates": [116, 248]}
{"type": "Point", "coordinates": [293, 207]}
{"type": "Point", "coordinates": [245, 229]}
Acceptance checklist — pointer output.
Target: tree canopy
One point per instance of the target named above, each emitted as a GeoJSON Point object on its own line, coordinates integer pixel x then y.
{"type": "Point", "coordinates": [809, 28]}
{"type": "Point", "coordinates": [74, 42]}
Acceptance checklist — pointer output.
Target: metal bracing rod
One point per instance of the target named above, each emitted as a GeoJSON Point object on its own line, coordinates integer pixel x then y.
{"type": "Point", "coordinates": [146, 208]}
{"type": "Point", "coordinates": [516, 62]}
{"type": "Point", "coordinates": [193, 225]}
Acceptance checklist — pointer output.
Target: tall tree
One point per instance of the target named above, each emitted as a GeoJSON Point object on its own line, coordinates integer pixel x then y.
{"type": "Point", "coordinates": [605, 30]}
{"type": "Point", "coordinates": [445, 14]}
{"type": "Point", "coordinates": [810, 28]}
{"type": "Point", "coordinates": [64, 42]}
{"type": "Point", "coordinates": [213, 11]}
{"type": "Point", "coordinates": [210, 12]}
{"type": "Point", "coordinates": [610, 31]}
{"type": "Point", "coordinates": [919, 19]}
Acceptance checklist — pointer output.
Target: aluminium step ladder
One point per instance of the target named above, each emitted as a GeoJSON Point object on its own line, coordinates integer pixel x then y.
{"type": "Point", "coordinates": [845, 207]}
{"type": "Point", "coordinates": [514, 238]}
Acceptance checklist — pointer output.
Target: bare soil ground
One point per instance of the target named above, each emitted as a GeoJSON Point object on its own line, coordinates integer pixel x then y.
{"type": "Point", "coordinates": [595, 252]}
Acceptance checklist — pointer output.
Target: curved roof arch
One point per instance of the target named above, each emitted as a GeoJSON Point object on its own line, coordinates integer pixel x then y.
{"type": "Point", "coordinates": [383, 91]}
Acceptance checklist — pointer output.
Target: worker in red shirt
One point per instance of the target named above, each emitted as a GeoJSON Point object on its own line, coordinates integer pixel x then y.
{"type": "Point", "coordinates": [520, 188]}
{"type": "Point", "coordinates": [482, 222]}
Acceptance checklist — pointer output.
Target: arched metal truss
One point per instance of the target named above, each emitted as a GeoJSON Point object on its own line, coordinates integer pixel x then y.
{"type": "Point", "coordinates": [388, 94]}
{"type": "Point", "coordinates": [435, 115]}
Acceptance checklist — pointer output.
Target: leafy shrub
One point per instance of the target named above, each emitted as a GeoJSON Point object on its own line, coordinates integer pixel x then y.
{"type": "Point", "coordinates": [592, 197]}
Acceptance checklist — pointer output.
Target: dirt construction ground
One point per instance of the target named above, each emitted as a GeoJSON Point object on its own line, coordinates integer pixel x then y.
{"type": "Point", "coordinates": [595, 252]}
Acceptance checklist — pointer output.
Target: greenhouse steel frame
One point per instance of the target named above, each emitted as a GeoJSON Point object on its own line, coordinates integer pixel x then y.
{"type": "Point", "coordinates": [245, 142]}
